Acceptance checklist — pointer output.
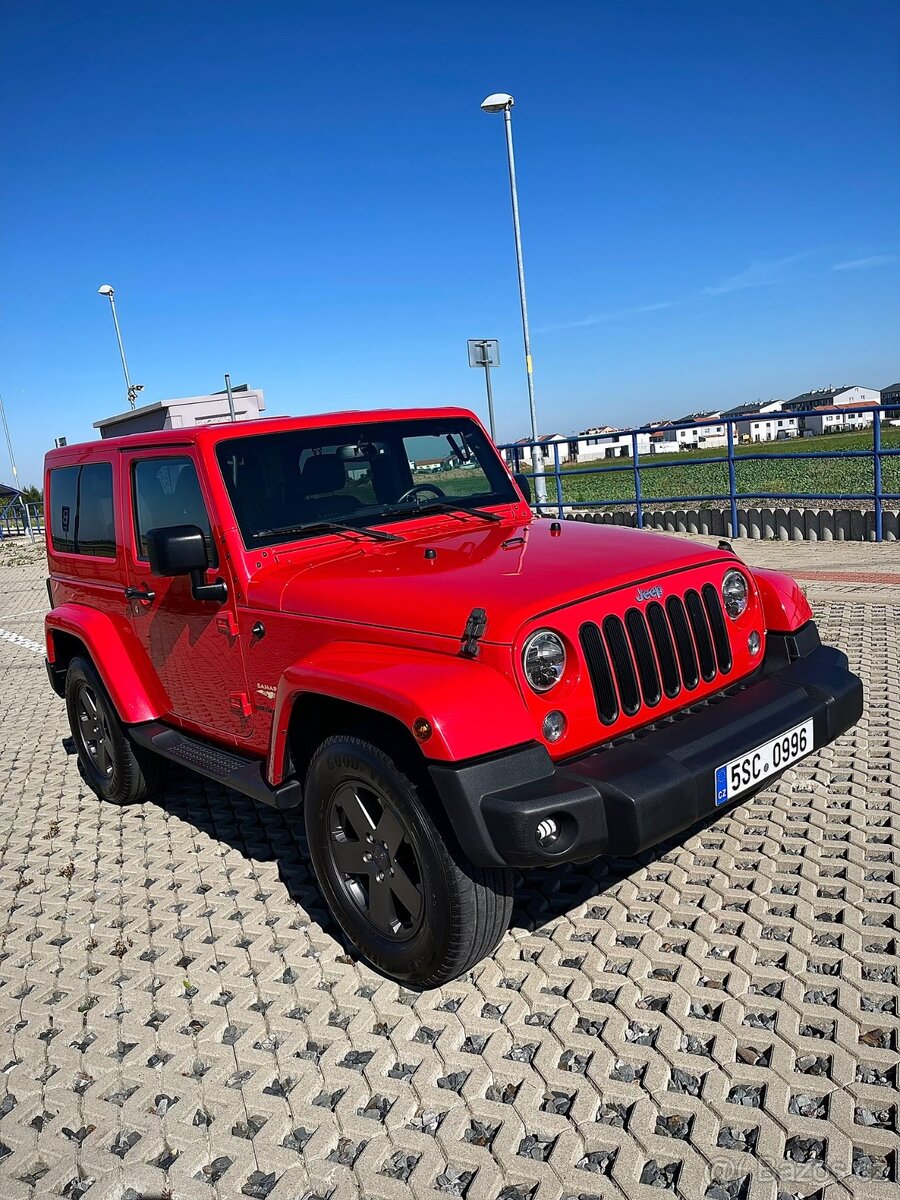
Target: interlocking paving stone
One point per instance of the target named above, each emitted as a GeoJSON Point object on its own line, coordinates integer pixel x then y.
{"type": "Point", "coordinates": [718, 1018]}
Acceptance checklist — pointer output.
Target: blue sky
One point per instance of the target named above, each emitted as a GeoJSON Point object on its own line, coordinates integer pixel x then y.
{"type": "Point", "coordinates": [308, 196]}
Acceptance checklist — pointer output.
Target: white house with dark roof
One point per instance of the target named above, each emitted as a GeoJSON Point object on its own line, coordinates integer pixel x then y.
{"type": "Point", "coordinates": [591, 445]}
{"type": "Point", "coordinates": [705, 429]}
{"type": "Point", "coordinates": [833, 418]}
{"type": "Point", "coordinates": [762, 422]}
{"type": "Point", "coordinates": [837, 397]}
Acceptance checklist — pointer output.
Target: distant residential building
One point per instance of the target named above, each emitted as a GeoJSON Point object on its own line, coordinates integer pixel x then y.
{"type": "Point", "coordinates": [891, 394]}
{"type": "Point", "coordinates": [660, 445]}
{"type": "Point", "coordinates": [761, 423]}
{"type": "Point", "coordinates": [704, 430]}
{"type": "Point", "coordinates": [520, 451]}
{"type": "Point", "coordinates": [594, 444]}
{"type": "Point", "coordinates": [748, 410]}
{"type": "Point", "coordinates": [839, 397]}
{"type": "Point", "coordinates": [766, 428]}
{"type": "Point", "coordinates": [829, 418]}
{"type": "Point", "coordinates": [548, 452]}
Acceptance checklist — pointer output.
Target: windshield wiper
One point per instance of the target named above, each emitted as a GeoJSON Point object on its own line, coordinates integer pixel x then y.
{"type": "Point", "coordinates": [450, 506]}
{"type": "Point", "coordinates": [324, 526]}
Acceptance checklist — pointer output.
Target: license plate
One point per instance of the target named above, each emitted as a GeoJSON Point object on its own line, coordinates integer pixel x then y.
{"type": "Point", "coordinates": [748, 771]}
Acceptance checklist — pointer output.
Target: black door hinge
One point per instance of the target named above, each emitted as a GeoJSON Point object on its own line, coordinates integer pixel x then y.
{"type": "Point", "coordinates": [473, 632]}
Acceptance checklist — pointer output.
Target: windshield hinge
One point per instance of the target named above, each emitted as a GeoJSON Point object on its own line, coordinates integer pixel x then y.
{"type": "Point", "coordinates": [239, 702]}
{"type": "Point", "coordinates": [473, 632]}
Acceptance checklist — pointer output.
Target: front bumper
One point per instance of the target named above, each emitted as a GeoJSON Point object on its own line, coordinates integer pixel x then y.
{"type": "Point", "coordinates": [631, 794]}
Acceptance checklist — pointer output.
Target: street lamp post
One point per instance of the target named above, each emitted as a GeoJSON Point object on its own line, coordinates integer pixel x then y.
{"type": "Point", "coordinates": [132, 389]}
{"type": "Point", "coordinates": [502, 102]}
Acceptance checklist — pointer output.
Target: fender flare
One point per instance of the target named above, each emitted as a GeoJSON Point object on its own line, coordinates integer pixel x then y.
{"type": "Point", "coordinates": [472, 708]}
{"type": "Point", "coordinates": [785, 607]}
{"type": "Point", "coordinates": [118, 657]}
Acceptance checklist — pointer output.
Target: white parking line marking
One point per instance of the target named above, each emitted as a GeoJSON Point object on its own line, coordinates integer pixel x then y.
{"type": "Point", "coordinates": [16, 639]}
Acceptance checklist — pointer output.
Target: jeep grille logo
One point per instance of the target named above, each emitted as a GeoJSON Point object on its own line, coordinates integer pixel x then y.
{"type": "Point", "coordinates": [652, 593]}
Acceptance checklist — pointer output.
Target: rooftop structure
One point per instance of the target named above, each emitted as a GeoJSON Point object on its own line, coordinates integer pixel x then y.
{"type": "Point", "coordinates": [184, 412]}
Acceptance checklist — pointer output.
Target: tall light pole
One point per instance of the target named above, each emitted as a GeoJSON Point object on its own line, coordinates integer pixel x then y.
{"type": "Point", "coordinates": [132, 389]}
{"type": "Point", "coordinates": [12, 463]}
{"type": "Point", "coordinates": [502, 102]}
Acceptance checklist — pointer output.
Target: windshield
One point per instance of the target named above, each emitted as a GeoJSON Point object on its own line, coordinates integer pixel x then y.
{"type": "Point", "coordinates": [357, 475]}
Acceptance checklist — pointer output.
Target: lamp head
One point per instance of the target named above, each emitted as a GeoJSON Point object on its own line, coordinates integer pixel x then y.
{"type": "Point", "coordinates": [497, 102]}
{"type": "Point", "coordinates": [105, 289]}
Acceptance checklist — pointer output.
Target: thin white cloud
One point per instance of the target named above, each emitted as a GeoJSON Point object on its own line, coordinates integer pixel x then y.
{"type": "Point", "coordinates": [865, 264]}
{"type": "Point", "coordinates": [614, 315]}
{"type": "Point", "coordinates": [764, 273]}
{"type": "Point", "coordinates": [759, 274]}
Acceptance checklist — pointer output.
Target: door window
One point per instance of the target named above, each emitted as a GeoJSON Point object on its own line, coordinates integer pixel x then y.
{"type": "Point", "coordinates": [167, 492]}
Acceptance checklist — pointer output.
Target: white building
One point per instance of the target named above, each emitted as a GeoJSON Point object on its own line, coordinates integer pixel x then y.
{"type": "Point", "coordinates": [704, 430]}
{"type": "Point", "coordinates": [768, 428]}
{"type": "Point", "coordinates": [840, 397]}
{"type": "Point", "coordinates": [831, 418]}
{"type": "Point", "coordinates": [762, 422]}
{"type": "Point", "coordinates": [595, 444]}
{"type": "Point", "coordinates": [519, 454]}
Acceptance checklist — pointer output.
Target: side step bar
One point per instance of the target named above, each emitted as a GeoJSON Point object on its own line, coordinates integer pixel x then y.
{"type": "Point", "coordinates": [233, 770]}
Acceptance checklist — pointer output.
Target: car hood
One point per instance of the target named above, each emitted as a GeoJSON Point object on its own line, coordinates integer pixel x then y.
{"type": "Point", "coordinates": [431, 581]}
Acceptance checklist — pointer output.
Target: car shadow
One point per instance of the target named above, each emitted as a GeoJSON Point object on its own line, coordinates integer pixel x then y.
{"type": "Point", "coordinates": [264, 834]}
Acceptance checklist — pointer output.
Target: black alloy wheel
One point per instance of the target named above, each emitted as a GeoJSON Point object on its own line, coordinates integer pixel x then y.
{"type": "Point", "coordinates": [110, 763]}
{"type": "Point", "coordinates": [373, 855]}
{"type": "Point", "coordinates": [389, 866]}
{"type": "Point", "coordinates": [94, 734]}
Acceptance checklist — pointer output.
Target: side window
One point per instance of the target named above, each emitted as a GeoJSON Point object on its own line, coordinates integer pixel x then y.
{"type": "Point", "coordinates": [81, 510]}
{"type": "Point", "coordinates": [63, 508]}
{"type": "Point", "coordinates": [167, 492]}
{"type": "Point", "coordinates": [96, 530]}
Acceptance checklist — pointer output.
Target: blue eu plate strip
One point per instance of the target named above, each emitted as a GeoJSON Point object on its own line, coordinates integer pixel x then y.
{"type": "Point", "coordinates": [721, 786]}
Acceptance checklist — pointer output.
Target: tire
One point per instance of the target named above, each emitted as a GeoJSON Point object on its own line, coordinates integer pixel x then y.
{"type": "Point", "coordinates": [432, 915]}
{"type": "Point", "coordinates": [110, 764]}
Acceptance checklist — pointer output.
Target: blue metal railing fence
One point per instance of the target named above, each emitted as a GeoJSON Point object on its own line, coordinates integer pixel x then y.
{"type": "Point", "coordinates": [19, 518]}
{"type": "Point", "coordinates": [518, 453]}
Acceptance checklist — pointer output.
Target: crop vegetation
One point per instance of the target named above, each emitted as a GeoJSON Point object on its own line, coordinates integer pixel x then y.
{"type": "Point", "coordinates": [691, 474]}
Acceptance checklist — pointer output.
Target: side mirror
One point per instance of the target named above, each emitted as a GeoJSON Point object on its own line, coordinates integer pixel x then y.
{"type": "Point", "coordinates": [524, 485]}
{"type": "Point", "coordinates": [181, 550]}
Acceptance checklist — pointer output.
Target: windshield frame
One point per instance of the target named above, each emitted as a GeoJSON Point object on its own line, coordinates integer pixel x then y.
{"type": "Point", "coordinates": [388, 512]}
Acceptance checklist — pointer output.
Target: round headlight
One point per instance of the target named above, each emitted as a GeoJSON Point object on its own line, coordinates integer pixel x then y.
{"type": "Point", "coordinates": [544, 660]}
{"type": "Point", "coordinates": [735, 594]}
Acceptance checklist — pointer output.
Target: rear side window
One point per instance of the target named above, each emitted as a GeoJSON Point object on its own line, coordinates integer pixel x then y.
{"type": "Point", "coordinates": [167, 492]}
{"type": "Point", "coordinates": [63, 508]}
{"type": "Point", "coordinates": [81, 510]}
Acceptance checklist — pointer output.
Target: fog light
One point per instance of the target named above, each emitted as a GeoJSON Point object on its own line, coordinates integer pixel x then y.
{"type": "Point", "coordinates": [547, 832]}
{"type": "Point", "coordinates": [554, 726]}
{"type": "Point", "coordinates": [754, 641]}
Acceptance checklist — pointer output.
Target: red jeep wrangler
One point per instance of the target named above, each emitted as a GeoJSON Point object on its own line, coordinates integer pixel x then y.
{"type": "Point", "coordinates": [359, 614]}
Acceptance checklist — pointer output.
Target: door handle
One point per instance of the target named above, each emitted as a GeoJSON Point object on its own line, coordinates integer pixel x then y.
{"type": "Point", "coordinates": [133, 593]}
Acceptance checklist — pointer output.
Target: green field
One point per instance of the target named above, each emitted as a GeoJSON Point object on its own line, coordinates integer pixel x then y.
{"type": "Point", "coordinates": [768, 475]}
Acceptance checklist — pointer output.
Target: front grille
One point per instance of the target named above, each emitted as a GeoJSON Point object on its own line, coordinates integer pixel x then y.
{"type": "Point", "coordinates": [660, 651]}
